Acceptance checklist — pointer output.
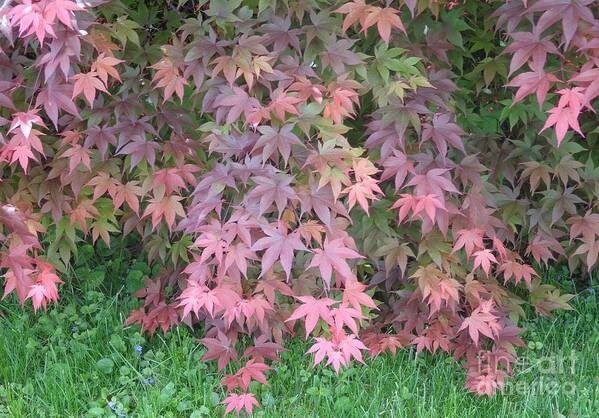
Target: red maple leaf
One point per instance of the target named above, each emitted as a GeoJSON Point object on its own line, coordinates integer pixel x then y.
{"type": "Point", "coordinates": [470, 239]}
{"type": "Point", "coordinates": [324, 348]}
{"type": "Point", "coordinates": [436, 287]}
{"type": "Point", "coordinates": [443, 131]}
{"type": "Point", "coordinates": [346, 316]}
{"type": "Point", "coordinates": [354, 295]}
{"type": "Point", "coordinates": [368, 15]}
{"type": "Point", "coordinates": [282, 103]}
{"type": "Point", "coordinates": [339, 350]}
{"type": "Point", "coordinates": [263, 349]}
{"type": "Point", "coordinates": [166, 207]}
{"type": "Point", "coordinates": [273, 142]}
{"type": "Point", "coordinates": [565, 114]}
{"type": "Point", "coordinates": [529, 45]}
{"type": "Point", "coordinates": [55, 97]}
{"type": "Point", "coordinates": [530, 82]}
{"type": "Point", "coordinates": [385, 19]}
{"type": "Point", "coordinates": [197, 296]}
{"type": "Point", "coordinates": [252, 371]}
{"type": "Point", "coordinates": [587, 226]}
{"type": "Point", "coordinates": [355, 10]}
{"type": "Point", "coordinates": [344, 96]}
{"type": "Point", "coordinates": [518, 272]}
{"type": "Point", "coordinates": [398, 166]}
{"type": "Point", "coordinates": [269, 190]}
{"type": "Point", "coordinates": [88, 84]}
{"type": "Point", "coordinates": [76, 154]}
{"type": "Point", "coordinates": [279, 246]}
{"type": "Point", "coordinates": [484, 258]}
{"type": "Point", "coordinates": [104, 66]}
{"type": "Point", "coordinates": [331, 257]}
{"type": "Point", "coordinates": [219, 348]}
{"type": "Point", "coordinates": [569, 12]}
{"type": "Point", "coordinates": [313, 310]}
{"type": "Point", "coordinates": [361, 191]}
{"type": "Point", "coordinates": [39, 17]}
{"type": "Point", "coordinates": [129, 193]}
{"type": "Point", "coordinates": [434, 181]}
{"type": "Point", "coordinates": [168, 76]}
{"type": "Point", "coordinates": [237, 402]}
{"type": "Point", "coordinates": [44, 289]}
{"type": "Point", "coordinates": [237, 255]}
{"type": "Point", "coordinates": [481, 321]}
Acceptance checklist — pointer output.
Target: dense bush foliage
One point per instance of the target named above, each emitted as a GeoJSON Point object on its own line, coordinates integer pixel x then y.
{"type": "Point", "coordinates": [386, 174]}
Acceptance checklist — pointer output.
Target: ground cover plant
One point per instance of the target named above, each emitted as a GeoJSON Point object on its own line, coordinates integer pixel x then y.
{"type": "Point", "coordinates": [370, 176]}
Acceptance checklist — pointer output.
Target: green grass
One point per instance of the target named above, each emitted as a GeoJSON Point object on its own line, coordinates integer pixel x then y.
{"type": "Point", "coordinates": [77, 358]}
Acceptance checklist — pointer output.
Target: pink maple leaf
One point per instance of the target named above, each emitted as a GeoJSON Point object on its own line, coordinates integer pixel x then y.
{"type": "Point", "coordinates": [484, 258]}
{"type": "Point", "coordinates": [313, 310]}
{"type": "Point", "coordinates": [237, 402]}
{"type": "Point", "coordinates": [333, 256]}
{"type": "Point", "coordinates": [220, 349]}
{"type": "Point", "coordinates": [278, 245]}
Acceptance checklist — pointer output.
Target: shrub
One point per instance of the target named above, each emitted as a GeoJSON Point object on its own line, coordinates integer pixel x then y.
{"type": "Point", "coordinates": [386, 174]}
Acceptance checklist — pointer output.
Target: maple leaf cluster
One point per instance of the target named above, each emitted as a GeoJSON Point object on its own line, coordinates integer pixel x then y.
{"type": "Point", "coordinates": [293, 170]}
{"type": "Point", "coordinates": [563, 29]}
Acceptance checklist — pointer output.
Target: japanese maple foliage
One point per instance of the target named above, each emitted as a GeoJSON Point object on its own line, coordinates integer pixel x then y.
{"type": "Point", "coordinates": [370, 175]}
